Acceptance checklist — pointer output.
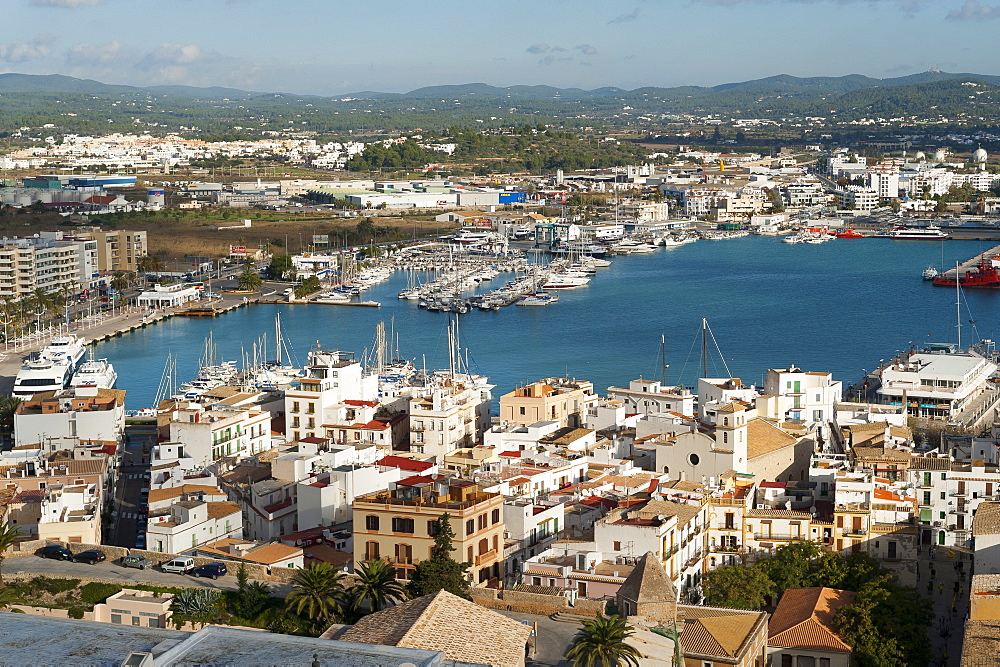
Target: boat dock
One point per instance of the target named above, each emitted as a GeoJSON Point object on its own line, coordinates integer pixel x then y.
{"type": "Point", "coordinates": [972, 263]}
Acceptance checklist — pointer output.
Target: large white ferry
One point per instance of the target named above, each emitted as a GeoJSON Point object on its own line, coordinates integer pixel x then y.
{"type": "Point", "coordinates": [40, 374]}
{"type": "Point", "coordinates": [51, 369]}
{"type": "Point", "coordinates": [64, 350]}
{"type": "Point", "coordinates": [931, 233]}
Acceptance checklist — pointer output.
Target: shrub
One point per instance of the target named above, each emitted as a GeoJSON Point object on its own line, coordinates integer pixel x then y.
{"type": "Point", "coordinates": [76, 612]}
{"type": "Point", "coordinates": [96, 592]}
{"type": "Point", "coordinates": [54, 586]}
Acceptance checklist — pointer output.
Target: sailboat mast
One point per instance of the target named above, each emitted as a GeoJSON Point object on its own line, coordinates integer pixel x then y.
{"type": "Point", "coordinates": [663, 359]}
{"type": "Point", "coordinates": [704, 347]}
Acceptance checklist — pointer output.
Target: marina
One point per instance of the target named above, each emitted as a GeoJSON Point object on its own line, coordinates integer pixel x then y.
{"type": "Point", "coordinates": [767, 301]}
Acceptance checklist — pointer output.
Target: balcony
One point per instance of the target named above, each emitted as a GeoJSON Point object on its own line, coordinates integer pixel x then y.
{"type": "Point", "coordinates": [780, 537]}
{"type": "Point", "coordinates": [670, 552]}
{"type": "Point", "coordinates": [487, 557]}
{"type": "Point", "coordinates": [727, 549]}
{"type": "Point", "coordinates": [959, 494]}
{"type": "Point", "coordinates": [402, 560]}
{"type": "Point", "coordinates": [418, 428]}
{"type": "Point", "coordinates": [855, 532]}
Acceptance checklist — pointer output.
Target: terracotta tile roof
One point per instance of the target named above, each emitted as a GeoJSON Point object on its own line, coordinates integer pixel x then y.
{"type": "Point", "coordinates": [404, 463]}
{"type": "Point", "coordinates": [219, 510]}
{"type": "Point", "coordinates": [929, 463]}
{"type": "Point", "coordinates": [654, 508]}
{"type": "Point", "coordinates": [273, 553]}
{"type": "Point", "coordinates": [764, 438]}
{"type": "Point", "coordinates": [648, 582]}
{"type": "Point", "coordinates": [156, 495]}
{"type": "Point", "coordinates": [85, 466]}
{"type": "Point", "coordinates": [987, 519]}
{"type": "Point", "coordinates": [732, 407]}
{"type": "Point", "coordinates": [718, 632]}
{"type": "Point", "coordinates": [462, 630]}
{"type": "Point", "coordinates": [327, 554]}
{"type": "Point", "coordinates": [804, 619]}
{"type": "Point", "coordinates": [981, 645]}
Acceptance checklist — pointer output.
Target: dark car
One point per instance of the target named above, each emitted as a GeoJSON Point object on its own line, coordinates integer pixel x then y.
{"type": "Point", "coordinates": [137, 562]}
{"type": "Point", "coordinates": [92, 556]}
{"type": "Point", "coordinates": [213, 570]}
{"type": "Point", "coordinates": [55, 551]}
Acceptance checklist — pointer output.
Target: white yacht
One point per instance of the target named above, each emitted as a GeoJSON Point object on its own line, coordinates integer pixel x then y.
{"type": "Point", "coordinates": [98, 373]}
{"type": "Point", "coordinates": [67, 350]}
{"type": "Point", "coordinates": [538, 299]}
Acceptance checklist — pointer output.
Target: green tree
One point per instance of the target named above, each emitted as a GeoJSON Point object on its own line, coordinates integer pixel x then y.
{"type": "Point", "coordinates": [251, 596]}
{"type": "Point", "coordinates": [280, 266]}
{"type": "Point", "coordinates": [440, 571]}
{"type": "Point", "coordinates": [377, 585]}
{"type": "Point", "coordinates": [8, 408]}
{"type": "Point", "coordinates": [309, 286]}
{"type": "Point", "coordinates": [601, 642]}
{"type": "Point", "coordinates": [737, 587]}
{"type": "Point", "coordinates": [119, 280]}
{"type": "Point", "coordinates": [8, 536]}
{"type": "Point", "coordinates": [791, 566]}
{"type": "Point", "coordinates": [317, 593]}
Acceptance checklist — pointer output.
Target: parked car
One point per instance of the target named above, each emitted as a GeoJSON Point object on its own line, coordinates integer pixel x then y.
{"type": "Point", "coordinates": [213, 570]}
{"type": "Point", "coordinates": [55, 551]}
{"type": "Point", "coordinates": [92, 556]}
{"type": "Point", "coordinates": [136, 562]}
{"type": "Point", "coordinates": [179, 565]}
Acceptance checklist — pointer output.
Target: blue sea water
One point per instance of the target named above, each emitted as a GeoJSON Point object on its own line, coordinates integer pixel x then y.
{"type": "Point", "coordinates": [840, 307]}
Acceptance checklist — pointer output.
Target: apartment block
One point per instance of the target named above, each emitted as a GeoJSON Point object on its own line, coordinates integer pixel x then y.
{"type": "Point", "coordinates": [194, 523]}
{"type": "Point", "coordinates": [36, 263]}
{"type": "Point", "coordinates": [550, 399]}
{"type": "Point", "coordinates": [398, 524]}
{"type": "Point", "coordinates": [118, 250]}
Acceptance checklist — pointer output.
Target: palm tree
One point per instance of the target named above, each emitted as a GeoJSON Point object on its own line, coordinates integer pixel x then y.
{"type": "Point", "coordinates": [601, 643]}
{"type": "Point", "coordinates": [119, 281]}
{"type": "Point", "coordinates": [377, 585]}
{"type": "Point", "coordinates": [8, 536]}
{"type": "Point", "coordinates": [317, 591]}
{"type": "Point", "coordinates": [250, 280]}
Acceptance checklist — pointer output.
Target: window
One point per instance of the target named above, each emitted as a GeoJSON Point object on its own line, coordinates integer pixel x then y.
{"type": "Point", "coordinates": [730, 520]}
{"type": "Point", "coordinates": [402, 525]}
{"type": "Point", "coordinates": [495, 517]}
{"type": "Point", "coordinates": [725, 439]}
{"type": "Point", "coordinates": [617, 546]}
{"type": "Point", "coordinates": [371, 522]}
{"type": "Point", "coordinates": [116, 618]}
{"type": "Point", "coordinates": [484, 546]}
{"type": "Point", "coordinates": [482, 521]}
{"type": "Point", "coordinates": [470, 527]}
{"type": "Point", "coordinates": [942, 495]}
{"type": "Point", "coordinates": [521, 410]}
{"type": "Point", "coordinates": [693, 459]}
{"type": "Point", "coordinates": [927, 497]}
{"type": "Point", "coordinates": [432, 528]}
{"type": "Point", "coordinates": [295, 406]}
{"type": "Point", "coordinates": [371, 551]}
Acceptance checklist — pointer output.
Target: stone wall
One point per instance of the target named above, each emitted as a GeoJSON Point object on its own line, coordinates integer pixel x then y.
{"type": "Point", "coordinates": [535, 603]}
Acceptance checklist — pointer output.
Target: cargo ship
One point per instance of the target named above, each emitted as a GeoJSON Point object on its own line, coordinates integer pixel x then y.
{"type": "Point", "coordinates": [986, 275]}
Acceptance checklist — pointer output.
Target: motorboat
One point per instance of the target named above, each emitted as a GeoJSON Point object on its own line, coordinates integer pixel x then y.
{"type": "Point", "coordinates": [538, 299]}
{"type": "Point", "coordinates": [930, 273]}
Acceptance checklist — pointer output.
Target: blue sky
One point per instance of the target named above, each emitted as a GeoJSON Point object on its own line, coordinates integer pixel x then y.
{"type": "Point", "coordinates": [329, 47]}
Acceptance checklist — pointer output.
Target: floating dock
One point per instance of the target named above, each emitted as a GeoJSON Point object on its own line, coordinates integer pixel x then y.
{"type": "Point", "coordinates": [972, 263]}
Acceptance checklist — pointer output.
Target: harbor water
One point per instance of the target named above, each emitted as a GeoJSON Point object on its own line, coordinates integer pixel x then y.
{"type": "Point", "coordinates": [840, 307]}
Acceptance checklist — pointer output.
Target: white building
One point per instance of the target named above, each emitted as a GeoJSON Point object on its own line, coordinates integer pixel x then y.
{"type": "Point", "coordinates": [84, 413]}
{"type": "Point", "coordinates": [936, 385]}
{"type": "Point", "coordinates": [209, 434]}
{"type": "Point", "coordinates": [194, 523]}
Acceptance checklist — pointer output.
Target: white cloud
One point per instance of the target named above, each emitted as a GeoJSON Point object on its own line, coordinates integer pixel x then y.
{"type": "Point", "coordinates": [586, 49]}
{"type": "Point", "coordinates": [973, 11]}
{"type": "Point", "coordinates": [540, 47]}
{"type": "Point", "coordinates": [97, 54]}
{"type": "Point", "coordinates": [19, 52]}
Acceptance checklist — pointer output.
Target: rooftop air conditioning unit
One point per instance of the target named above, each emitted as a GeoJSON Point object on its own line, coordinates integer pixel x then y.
{"type": "Point", "coordinates": [761, 507]}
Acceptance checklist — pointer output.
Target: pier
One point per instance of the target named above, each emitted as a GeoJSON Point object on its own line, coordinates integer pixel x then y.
{"type": "Point", "coordinates": [972, 263]}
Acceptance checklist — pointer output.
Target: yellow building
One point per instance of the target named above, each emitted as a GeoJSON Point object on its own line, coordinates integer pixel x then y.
{"type": "Point", "coordinates": [549, 399]}
{"type": "Point", "coordinates": [398, 525]}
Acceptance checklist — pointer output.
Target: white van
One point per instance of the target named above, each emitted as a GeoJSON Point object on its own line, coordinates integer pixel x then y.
{"type": "Point", "coordinates": [179, 565]}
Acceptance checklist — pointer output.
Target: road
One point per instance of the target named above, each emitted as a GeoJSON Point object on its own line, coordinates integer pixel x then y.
{"type": "Point", "coordinates": [124, 575]}
{"type": "Point", "coordinates": [552, 641]}
{"type": "Point", "coordinates": [133, 476]}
